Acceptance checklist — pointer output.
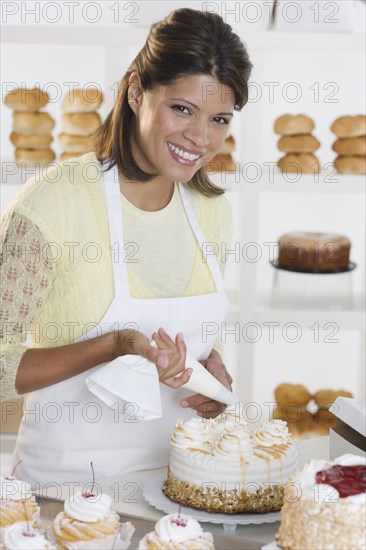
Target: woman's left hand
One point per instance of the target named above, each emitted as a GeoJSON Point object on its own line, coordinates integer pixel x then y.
{"type": "Point", "coordinates": [206, 407]}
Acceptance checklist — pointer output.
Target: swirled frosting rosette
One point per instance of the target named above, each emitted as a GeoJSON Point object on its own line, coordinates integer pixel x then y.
{"type": "Point", "coordinates": [89, 523]}
{"type": "Point", "coordinates": [177, 532]}
{"type": "Point", "coordinates": [20, 536]}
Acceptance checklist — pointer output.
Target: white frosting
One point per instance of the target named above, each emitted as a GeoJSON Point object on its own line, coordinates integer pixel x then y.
{"type": "Point", "coordinates": [88, 509]}
{"type": "Point", "coordinates": [178, 528]}
{"type": "Point", "coordinates": [16, 537]}
{"type": "Point", "coordinates": [274, 432]}
{"type": "Point", "coordinates": [227, 451]}
{"type": "Point", "coordinates": [14, 489]}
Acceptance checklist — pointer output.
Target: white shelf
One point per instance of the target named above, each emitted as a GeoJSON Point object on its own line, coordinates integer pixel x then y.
{"type": "Point", "coordinates": [274, 181]}
{"type": "Point", "coordinates": [126, 34]}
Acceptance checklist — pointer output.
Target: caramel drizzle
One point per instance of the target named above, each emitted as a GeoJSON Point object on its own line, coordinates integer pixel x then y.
{"type": "Point", "coordinates": [199, 450]}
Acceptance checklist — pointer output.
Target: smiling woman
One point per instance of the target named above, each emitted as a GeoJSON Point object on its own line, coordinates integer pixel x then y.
{"type": "Point", "coordinates": [145, 188]}
{"type": "Point", "coordinates": [193, 58]}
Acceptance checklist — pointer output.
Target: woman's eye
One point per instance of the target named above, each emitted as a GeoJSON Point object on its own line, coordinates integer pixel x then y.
{"type": "Point", "coordinates": [221, 120]}
{"type": "Point", "coordinates": [180, 108]}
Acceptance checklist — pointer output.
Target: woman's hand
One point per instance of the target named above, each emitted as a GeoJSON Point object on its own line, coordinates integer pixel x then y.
{"type": "Point", "coordinates": [206, 407]}
{"type": "Point", "coordinates": [169, 357]}
{"type": "Point", "coordinates": [175, 354]}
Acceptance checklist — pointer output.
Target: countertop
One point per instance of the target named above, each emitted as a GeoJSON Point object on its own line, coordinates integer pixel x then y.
{"type": "Point", "coordinates": [126, 492]}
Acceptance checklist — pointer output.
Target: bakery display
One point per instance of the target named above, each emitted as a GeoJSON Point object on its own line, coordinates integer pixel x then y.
{"type": "Point", "coordinates": [223, 160]}
{"type": "Point", "coordinates": [350, 144]}
{"type": "Point", "coordinates": [31, 127]}
{"type": "Point", "coordinates": [79, 121]}
{"type": "Point", "coordinates": [298, 144]}
{"type": "Point", "coordinates": [177, 532]}
{"type": "Point", "coordinates": [313, 252]}
{"type": "Point", "coordinates": [325, 506]}
{"type": "Point", "coordinates": [307, 415]}
{"type": "Point", "coordinates": [88, 522]}
{"type": "Point", "coordinates": [20, 536]}
{"type": "Point", "coordinates": [227, 465]}
{"type": "Point", "coordinates": [17, 503]}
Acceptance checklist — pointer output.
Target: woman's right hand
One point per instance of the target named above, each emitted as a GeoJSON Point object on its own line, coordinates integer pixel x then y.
{"type": "Point", "coordinates": [169, 358]}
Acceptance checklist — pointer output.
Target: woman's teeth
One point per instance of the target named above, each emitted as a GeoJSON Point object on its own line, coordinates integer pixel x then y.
{"type": "Point", "coordinates": [181, 153]}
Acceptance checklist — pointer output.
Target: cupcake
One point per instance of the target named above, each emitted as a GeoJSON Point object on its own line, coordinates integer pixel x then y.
{"type": "Point", "coordinates": [88, 522]}
{"type": "Point", "coordinates": [177, 531]}
{"type": "Point", "coordinates": [20, 536]}
{"type": "Point", "coordinates": [17, 503]}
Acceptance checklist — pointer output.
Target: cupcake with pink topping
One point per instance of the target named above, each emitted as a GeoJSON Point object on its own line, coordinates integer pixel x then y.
{"type": "Point", "coordinates": [177, 532]}
{"type": "Point", "coordinates": [17, 503]}
{"type": "Point", "coordinates": [20, 536]}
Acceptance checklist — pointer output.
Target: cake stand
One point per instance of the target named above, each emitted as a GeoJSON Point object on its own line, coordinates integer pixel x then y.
{"type": "Point", "coordinates": [153, 494]}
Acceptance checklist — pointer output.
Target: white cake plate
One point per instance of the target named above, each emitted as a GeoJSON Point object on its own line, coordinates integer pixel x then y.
{"type": "Point", "coordinates": [153, 494]}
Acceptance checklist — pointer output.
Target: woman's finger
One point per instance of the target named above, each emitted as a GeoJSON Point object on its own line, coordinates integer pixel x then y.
{"type": "Point", "coordinates": [178, 381]}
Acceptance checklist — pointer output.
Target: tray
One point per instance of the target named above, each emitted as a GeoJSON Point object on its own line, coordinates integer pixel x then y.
{"type": "Point", "coordinates": [154, 495]}
{"type": "Point", "coordinates": [51, 507]}
{"type": "Point", "coordinates": [351, 266]}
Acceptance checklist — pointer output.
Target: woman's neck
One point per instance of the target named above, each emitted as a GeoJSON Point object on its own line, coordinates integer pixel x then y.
{"type": "Point", "coordinates": [151, 195]}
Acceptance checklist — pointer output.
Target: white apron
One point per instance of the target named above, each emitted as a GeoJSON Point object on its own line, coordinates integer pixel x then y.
{"type": "Point", "coordinates": [65, 426]}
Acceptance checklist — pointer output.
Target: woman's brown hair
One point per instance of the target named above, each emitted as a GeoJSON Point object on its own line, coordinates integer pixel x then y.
{"type": "Point", "coordinates": [186, 42]}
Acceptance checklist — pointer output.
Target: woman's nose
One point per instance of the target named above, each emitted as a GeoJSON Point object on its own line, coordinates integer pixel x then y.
{"type": "Point", "coordinates": [197, 132]}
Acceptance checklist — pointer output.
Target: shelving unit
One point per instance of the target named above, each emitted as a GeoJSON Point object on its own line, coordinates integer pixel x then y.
{"type": "Point", "coordinates": [249, 304]}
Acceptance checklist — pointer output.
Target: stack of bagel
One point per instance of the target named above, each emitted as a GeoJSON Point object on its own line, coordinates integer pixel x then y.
{"type": "Point", "coordinates": [350, 145]}
{"type": "Point", "coordinates": [223, 160]}
{"type": "Point", "coordinates": [306, 414]}
{"type": "Point", "coordinates": [32, 127]}
{"type": "Point", "coordinates": [79, 121]}
{"type": "Point", "coordinates": [298, 143]}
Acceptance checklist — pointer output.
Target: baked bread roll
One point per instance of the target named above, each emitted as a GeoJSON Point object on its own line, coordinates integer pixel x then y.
{"type": "Point", "coordinates": [75, 144]}
{"type": "Point", "coordinates": [32, 123]}
{"type": "Point", "coordinates": [313, 252]}
{"type": "Point", "coordinates": [80, 124]}
{"type": "Point", "coordinates": [221, 163]}
{"type": "Point", "coordinates": [24, 99]}
{"type": "Point", "coordinates": [68, 156]}
{"type": "Point", "coordinates": [292, 393]}
{"type": "Point", "coordinates": [324, 398]}
{"type": "Point", "coordinates": [350, 146]}
{"type": "Point", "coordinates": [349, 126]}
{"type": "Point", "coordinates": [298, 144]}
{"type": "Point", "coordinates": [32, 158]}
{"type": "Point", "coordinates": [350, 165]}
{"type": "Point", "coordinates": [82, 100]}
{"type": "Point", "coordinates": [290, 125]}
{"type": "Point", "coordinates": [227, 147]}
{"type": "Point", "coordinates": [32, 141]}
{"type": "Point", "coordinates": [303, 163]}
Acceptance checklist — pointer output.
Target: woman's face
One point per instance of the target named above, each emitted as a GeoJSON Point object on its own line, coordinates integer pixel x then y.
{"type": "Point", "coordinates": [179, 126]}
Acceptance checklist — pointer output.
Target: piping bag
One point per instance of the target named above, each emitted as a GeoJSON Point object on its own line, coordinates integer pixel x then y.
{"type": "Point", "coordinates": [132, 378]}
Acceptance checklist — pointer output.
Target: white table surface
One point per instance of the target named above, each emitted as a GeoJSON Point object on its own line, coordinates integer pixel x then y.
{"type": "Point", "coordinates": [126, 492]}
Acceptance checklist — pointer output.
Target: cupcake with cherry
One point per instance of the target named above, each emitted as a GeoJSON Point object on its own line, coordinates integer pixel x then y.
{"type": "Point", "coordinates": [88, 522]}
{"type": "Point", "coordinates": [17, 503]}
{"type": "Point", "coordinates": [177, 532]}
{"type": "Point", "coordinates": [21, 536]}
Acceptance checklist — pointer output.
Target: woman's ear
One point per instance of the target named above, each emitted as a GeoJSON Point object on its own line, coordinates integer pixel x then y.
{"type": "Point", "coordinates": [134, 91]}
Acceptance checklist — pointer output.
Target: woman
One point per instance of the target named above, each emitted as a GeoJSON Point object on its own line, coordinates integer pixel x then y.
{"type": "Point", "coordinates": [105, 253]}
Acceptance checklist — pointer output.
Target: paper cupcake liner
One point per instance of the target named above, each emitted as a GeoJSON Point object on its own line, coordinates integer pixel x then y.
{"type": "Point", "coordinates": [120, 542]}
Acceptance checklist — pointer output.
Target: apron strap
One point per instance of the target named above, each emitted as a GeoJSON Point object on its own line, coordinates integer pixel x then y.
{"type": "Point", "coordinates": [201, 238]}
{"type": "Point", "coordinates": [114, 209]}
